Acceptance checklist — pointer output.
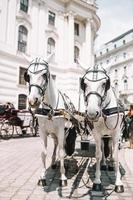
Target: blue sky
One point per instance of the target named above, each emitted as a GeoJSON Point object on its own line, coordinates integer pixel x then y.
{"type": "Point", "coordinates": [116, 18]}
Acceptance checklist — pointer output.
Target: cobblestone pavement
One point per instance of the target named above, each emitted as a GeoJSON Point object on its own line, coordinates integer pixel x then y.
{"type": "Point", "coordinates": [20, 167]}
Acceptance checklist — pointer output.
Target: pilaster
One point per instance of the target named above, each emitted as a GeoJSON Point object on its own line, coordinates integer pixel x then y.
{"type": "Point", "coordinates": [88, 43]}
{"type": "Point", "coordinates": [71, 37]}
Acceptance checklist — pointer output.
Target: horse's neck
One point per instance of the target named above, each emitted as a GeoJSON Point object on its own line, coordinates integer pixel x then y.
{"type": "Point", "coordinates": [52, 95]}
{"type": "Point", "coordinates": [111, 99]}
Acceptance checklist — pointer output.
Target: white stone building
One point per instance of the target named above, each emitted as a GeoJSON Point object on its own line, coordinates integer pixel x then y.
{"type": "Point", "coordinates": [117, 55]}
{"type": "Point", "coordinates": [37, 28]}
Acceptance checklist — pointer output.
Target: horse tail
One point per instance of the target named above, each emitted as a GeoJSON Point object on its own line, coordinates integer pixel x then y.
{"type": "Point", "coordinates": [106, 146]}
{"type": "Point", "coordinates": [70, 141]}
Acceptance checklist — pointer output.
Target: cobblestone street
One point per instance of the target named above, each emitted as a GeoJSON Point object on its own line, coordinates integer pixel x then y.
{"type": "Point", "coordinates": [20, 169]}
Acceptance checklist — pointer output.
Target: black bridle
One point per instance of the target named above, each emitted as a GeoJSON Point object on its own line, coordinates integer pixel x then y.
{"type": "Point", "coordinates": [47, 74]}
{"type": "Point", "coordinates": [107, 86]}
{"type": "Point", "coordinates": [102, 98]}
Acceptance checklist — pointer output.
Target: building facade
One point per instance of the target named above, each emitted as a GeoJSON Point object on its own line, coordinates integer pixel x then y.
{"type": "Point", "coordinates": [117, 57]}
{"type": "Point", "coordinates": [37, 28]}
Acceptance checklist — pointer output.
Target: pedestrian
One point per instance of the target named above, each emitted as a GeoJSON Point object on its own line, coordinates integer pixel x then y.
{"type": "Point", "coordinates": [130, 127]}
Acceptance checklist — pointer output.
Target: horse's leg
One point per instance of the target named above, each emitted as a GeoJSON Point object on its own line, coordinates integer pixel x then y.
{"type": "Point", "coordinates": [61, 135]}
{"type": "Point", "coordinates": [103, 162]}
{"type": "Point", "coordinates": [97, 182]}
{"type": "Point", "coordinates": [42, 180]}
{"type": "Point", "coordinates": [53, 164]}
{"type": "Point", "coordinates": [119, 188]}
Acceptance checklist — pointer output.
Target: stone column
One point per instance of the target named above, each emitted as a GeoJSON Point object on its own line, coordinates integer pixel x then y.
{"type": "Point", "coordinates": [88, 43]}
{"type": "Point", "coordinates": [71, 37]}
{"type": "Point", "coordinates": [40, 31]}
{"type": "Point", "coordinates": [61, 40]}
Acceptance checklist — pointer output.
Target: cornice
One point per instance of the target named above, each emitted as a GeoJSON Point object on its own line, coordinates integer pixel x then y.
{"type": "Point", "coordinates": [112, 51]}
{"type": "Point", "coordinates": [51, 30]}
{"type": "Point", "coordinates": [22, 17]}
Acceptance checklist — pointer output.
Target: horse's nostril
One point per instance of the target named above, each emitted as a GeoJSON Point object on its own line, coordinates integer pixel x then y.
{"type": "Point", "coordinates": [97, 113]}
{"type": "Point", "coordinates": [36, 100]}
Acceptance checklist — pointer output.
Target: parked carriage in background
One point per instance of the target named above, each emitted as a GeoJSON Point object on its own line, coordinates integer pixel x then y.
{"type": "Point", "coordinates": [16, 122]}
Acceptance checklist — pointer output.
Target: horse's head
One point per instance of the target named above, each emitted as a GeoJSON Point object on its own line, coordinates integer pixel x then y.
{"type": "Point", "coordinates": [37, 76]}
{"type": "Point", "coordinates": [95, 84]}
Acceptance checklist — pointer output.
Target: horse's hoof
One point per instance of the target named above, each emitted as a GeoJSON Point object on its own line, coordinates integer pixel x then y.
{"type": "Point", "coordinates": [97, 187]}
{"type": "Point", "coordinates": [54, 166]}
{"type": "Point", "coordinates": [119, 188]}
{"type": "Point", "coordinates": [111, 168]}
{"type": "Point", "coordinates": [63, 183]}
{"type": "Point", "coordinates": [42, 182]}
{"type": "Point", "coordinates": [103, 167]}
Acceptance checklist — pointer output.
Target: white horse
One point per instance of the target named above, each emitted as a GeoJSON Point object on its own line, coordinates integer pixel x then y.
{"type": "Point", "coordinates": [52, 117]}
{"type": "Point", "coordinates": [104, 112]}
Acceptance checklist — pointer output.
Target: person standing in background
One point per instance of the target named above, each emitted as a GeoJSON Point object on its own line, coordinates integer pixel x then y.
{"type": "Point", "coordinates": [130, 127]}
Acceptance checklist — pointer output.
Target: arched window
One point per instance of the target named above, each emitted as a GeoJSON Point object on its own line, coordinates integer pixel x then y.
{"type": "Point", "coordinates": [22, 99]}
{"type": "Point", "coordinates": [116, 85]}
{"type": "Point", "coordinates": [124, 54]}
{"type": "Point", "coordinates": [24, 5]}
{"type": "Point", "coordinates": [76, 53]}
{"type": "Point", "coordinates": [125, 84]}
{"type": "Point", "coordinates": [50, 46]}
{"type": "Point", "coordinates": [22, 39]}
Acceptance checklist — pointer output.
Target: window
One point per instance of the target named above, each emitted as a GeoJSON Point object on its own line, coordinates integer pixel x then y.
{"type": "Point", "coordinates": [54, 77]}
{"type": "Point", "coordinates": [22, 99]}
{"type": "Point", "coordinates": [125, 84]}
{"type": "Point", "coordinates": [116, 73]}
{"type": "Point", "coordinates": [50, 46]}
{"type": "Point", "coordinates": [107, 61]}
{"type": "Point", "coordinates": [24, 5]}
{"type": "Point", "coordinates": [124, 54]}
{"type": "Point", "coordinates": [22, 39]}
{"type": "Point", "coordinates": [125, 69]}
{"type": "Point", "coordinates": [51, 18]}
{"type": "Point", "coordinates": [76, 29]}
{"type": "Point", "coordinates": [21, 76]}
{"type": "Point", "coordinates": [116, 85]}
{"type": "Point", "coordinates": [115, 46]}
{"type": "Point", "coordinates": [116, 57]}
{"type": "Point", "coordinates": [76, 53]}
{"type": "Point", "coordinates": [124, 41]}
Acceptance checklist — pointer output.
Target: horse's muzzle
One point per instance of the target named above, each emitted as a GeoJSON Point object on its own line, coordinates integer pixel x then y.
{"type": "Point", "coordinates": [93, 116]}
{"type": "Point", "coordinates": [34, 103]}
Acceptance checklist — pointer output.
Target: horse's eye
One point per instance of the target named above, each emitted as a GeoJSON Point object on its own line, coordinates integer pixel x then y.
{"type": "Point", "coordinates": [26, 77]}
{"type": "Point", "coordinates": [103, 85]}
{"type": "Point", "coordinates": [44, 76]}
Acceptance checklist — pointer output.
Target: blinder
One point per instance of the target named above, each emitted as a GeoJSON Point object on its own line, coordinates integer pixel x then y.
{"type": "Point", "coordinates": [26, 77]}
{"type": "Point", "coordinates": [82, 84]}
{"type": "Point", "coordinates": [107, 86]}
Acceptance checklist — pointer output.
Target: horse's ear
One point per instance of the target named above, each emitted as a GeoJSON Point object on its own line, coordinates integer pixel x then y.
{"type": "Point", "coordinates": [82, 84]}
{"type": "Point", "coordinates": [107, 84]}
{"type": "Point", "coordinates": [26, 77]}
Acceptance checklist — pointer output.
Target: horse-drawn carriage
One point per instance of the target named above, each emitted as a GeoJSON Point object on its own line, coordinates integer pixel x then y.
{"type": "Point", "coordinates": [16, 122]}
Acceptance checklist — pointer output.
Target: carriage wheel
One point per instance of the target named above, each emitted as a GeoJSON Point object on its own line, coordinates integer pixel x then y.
{"type": "Point", "coordinates": [6, 130]}
{"type": "Point", "coordinates": [17, 130]}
